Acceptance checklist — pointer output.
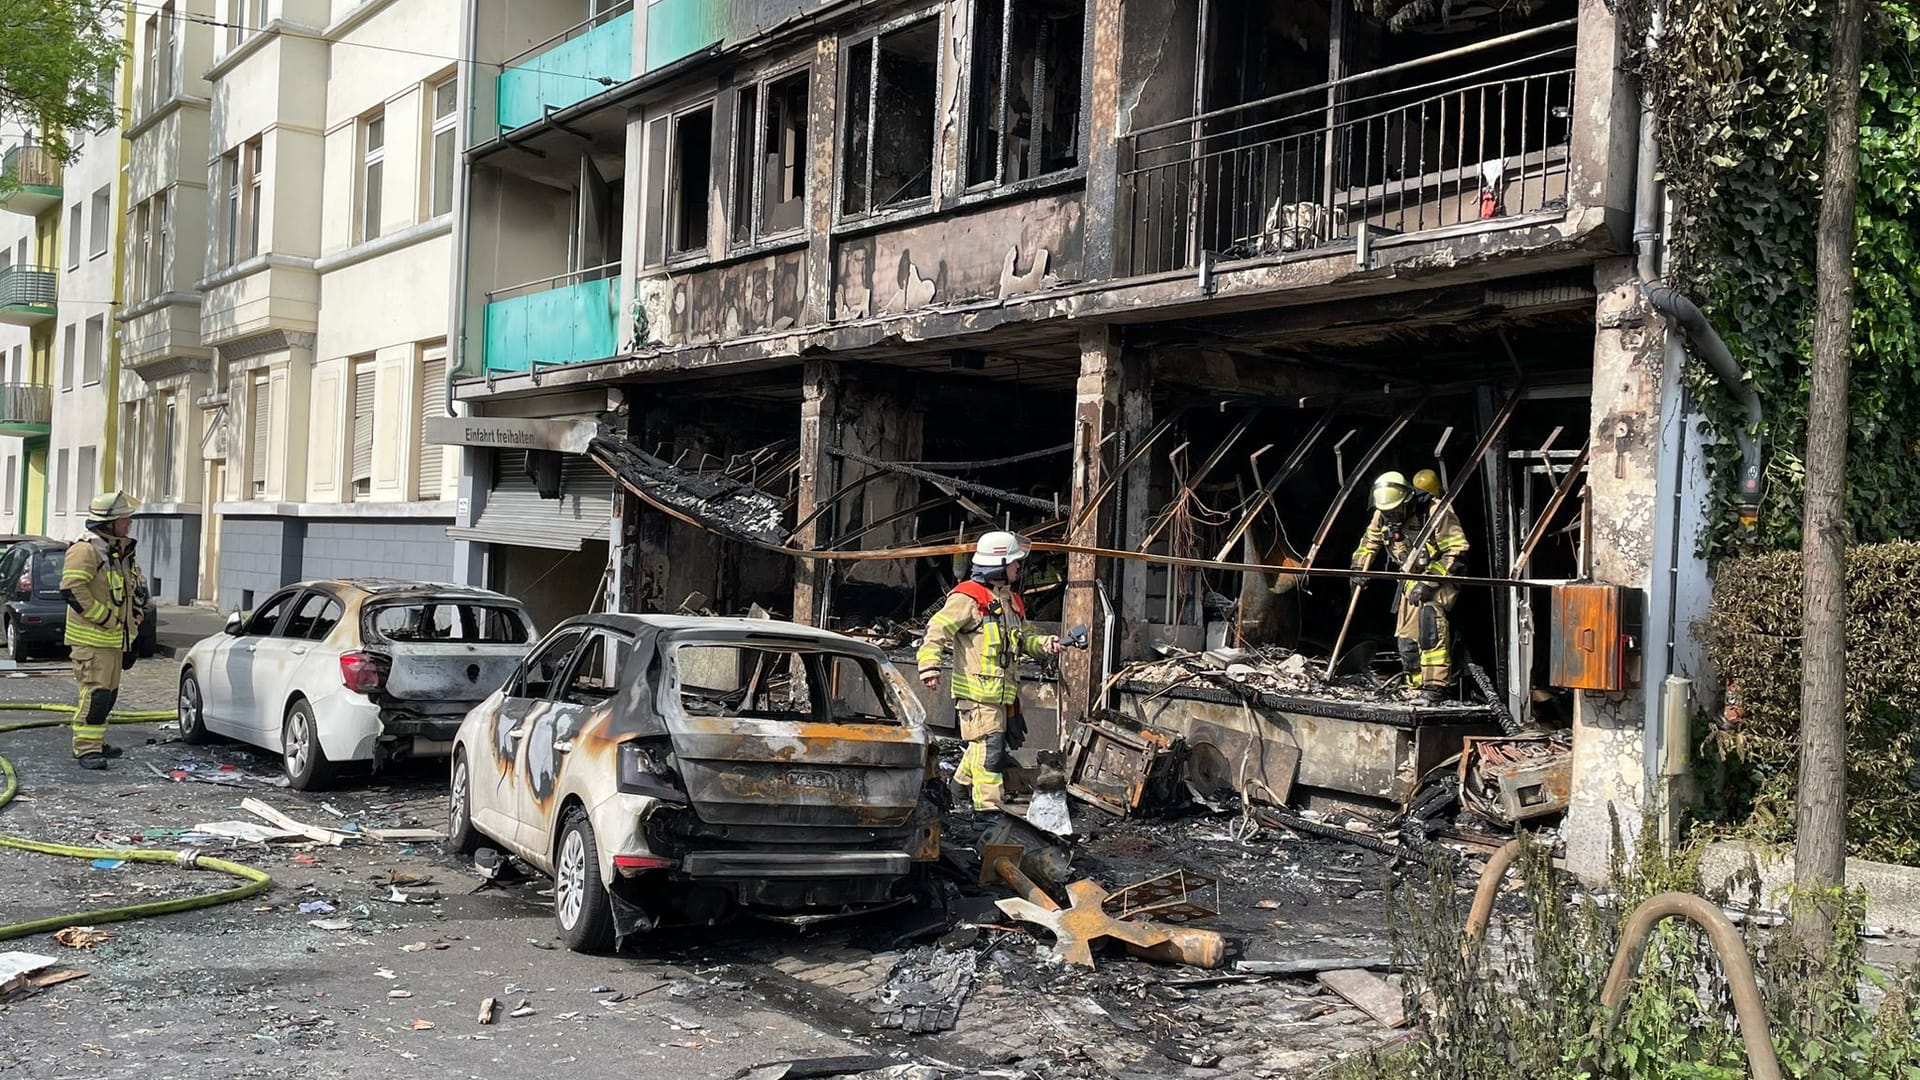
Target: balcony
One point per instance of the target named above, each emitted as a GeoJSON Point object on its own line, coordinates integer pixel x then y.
{"type": "Point", "coordinates": [29, 180]}
{"type": "Point", "coordinates": [28, 295]}
{"type": "Point", "coordinates": [1293, 173]}
{"type": "Point", "coordinates": [569, 319]}
{"type": "Point", "coordinates": [26, 410]}
{"type": "Point", "coordinates": [567, 68]}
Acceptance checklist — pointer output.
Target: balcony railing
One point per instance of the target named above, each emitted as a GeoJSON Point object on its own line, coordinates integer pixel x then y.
{"type": "Point", "coordinates": [1292, 173]}
{"type": "Point", "coordinates": [569, 319]}
{"type": "Point", "coordinates": [25, 406]}
{"type": "Point", "coordinates": [29, 290]}
{"type": "Point", "coordinates": [569, 67]}
{"type": "Point", "coordinates": [28, 165]}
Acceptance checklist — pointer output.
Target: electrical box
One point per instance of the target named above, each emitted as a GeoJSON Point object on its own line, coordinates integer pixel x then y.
{"type": "Point", "coordinates": [1596, 637]}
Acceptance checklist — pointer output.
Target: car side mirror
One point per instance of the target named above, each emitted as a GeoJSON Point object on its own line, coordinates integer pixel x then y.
{"type": "Point", "coordinates": [236, 625]}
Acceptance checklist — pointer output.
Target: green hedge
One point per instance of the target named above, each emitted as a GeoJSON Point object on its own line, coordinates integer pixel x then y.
{"type": "Point", "coordinates": [1753, 635]}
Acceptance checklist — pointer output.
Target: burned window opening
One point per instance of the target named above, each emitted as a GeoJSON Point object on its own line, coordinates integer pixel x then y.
{"type": "Point", "coordinates": [769, 156]}
{"type": "Point", "coordinates": [887, 150]}
{"type": "Point", "coordinates": [790, 685]}
{"type": "Point", "coordinates": [690, 180]}
{"type": "Point", "coordinates": [1023, 116]}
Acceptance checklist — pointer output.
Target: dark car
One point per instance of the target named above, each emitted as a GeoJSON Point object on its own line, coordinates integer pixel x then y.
{"type": "Point", "coordinates": [35, 616]}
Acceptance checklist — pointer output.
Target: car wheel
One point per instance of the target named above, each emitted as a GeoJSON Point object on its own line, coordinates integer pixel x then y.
{"type": "Point", "coordinates": [17, 645]}
{"type": "Point", "coordinates": [306, 763]}
{"type": "Point", "coordinates": [192, 717]}
{"type": "Point", "coordinates": [461, 835]}
{"type": "Point", "coordinates": [580, 902]}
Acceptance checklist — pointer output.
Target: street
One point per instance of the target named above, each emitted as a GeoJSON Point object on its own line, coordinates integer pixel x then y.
{"type": "Point", "coordinates": [262, 987]}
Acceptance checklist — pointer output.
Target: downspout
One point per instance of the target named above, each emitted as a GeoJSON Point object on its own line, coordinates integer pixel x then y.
{"type": "Point", "coordinates": [457, 328]}
{"type": "Point", "coordinates": [116, 236]}
{"type": "Point", "coordinates": [1700, 333]}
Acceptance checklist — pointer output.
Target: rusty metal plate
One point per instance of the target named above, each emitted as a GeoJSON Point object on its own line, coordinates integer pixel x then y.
{"type": "Point", "coordinates": [1174, 897]}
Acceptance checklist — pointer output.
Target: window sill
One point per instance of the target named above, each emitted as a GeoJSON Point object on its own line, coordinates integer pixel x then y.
{"type": "Point", "coordinates": [880, 219]}
{"type": "Point", "coordinates": [172, 104]}
{"type": "Point", "coordinates": [94, 256]}
{"type": "Point", "coordinates": [253, 42]}
{"type": "Point", "coordinates": [389, 242]}
{"type": "Point", "coordinates": [992, 193]}
{"type": "Point", "coordinates": [252, 265]}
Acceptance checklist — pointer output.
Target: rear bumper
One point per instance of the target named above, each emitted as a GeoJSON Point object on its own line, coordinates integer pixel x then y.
{"type": "Point", "coordinates": [796, 864]}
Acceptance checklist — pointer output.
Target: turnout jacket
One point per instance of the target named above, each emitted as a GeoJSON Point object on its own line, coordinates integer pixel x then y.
{"type": "Point", "coordinates": [986, 629]}
{"type": "Point", "coordinates": [101, 574]}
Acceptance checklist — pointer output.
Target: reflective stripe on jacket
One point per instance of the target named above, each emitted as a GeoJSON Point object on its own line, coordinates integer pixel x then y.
{"type": "Point", "coordinates": [986, 642]}
{"type": "Point", "coordinates": [101, 575]}
{"type": "Point", "coordinates": [1444, 547]}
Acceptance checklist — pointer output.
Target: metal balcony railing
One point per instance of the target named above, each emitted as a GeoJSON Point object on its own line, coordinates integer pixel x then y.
{"type": "Point", "coordinates": [28, 165]}
{"type": "Point", "coordinates": [568, 67]}
{"type": "Point", "coordinates": [29, 286]}
{"type": "Point", "coordinates": [1305, 169]}
{"type": "Point", "coordinates": [26, 404]}
{"type": "Point", "coordinates": [570, 318]}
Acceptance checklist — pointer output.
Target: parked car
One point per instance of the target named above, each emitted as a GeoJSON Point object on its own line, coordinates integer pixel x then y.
{"type": "Point", "coordinates": [666, 770]}
{"type": "Point", "coordinates": [34, 613]}
{"type": "Point", "coordinates": [331, 673]}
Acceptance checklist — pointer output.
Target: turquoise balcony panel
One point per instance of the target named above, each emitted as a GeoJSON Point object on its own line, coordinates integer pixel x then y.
{"type": "Point", "coordinates": [568, 324]}
{"type": "Point", "coordinates": [578, 67]}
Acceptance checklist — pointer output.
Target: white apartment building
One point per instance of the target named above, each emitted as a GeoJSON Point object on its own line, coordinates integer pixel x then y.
{"type": "Point", "coordinates": [86, 361]}
{"type": "Point", "coordinates": [26, 319]}
{"type": "Point", "coordinates": [290, 222]}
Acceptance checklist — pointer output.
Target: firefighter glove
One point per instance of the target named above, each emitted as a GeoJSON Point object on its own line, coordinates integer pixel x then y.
{"type": "Point", "coordinates": [1420, 594]}
{"type": "Point", "coordinates": [1016, 732]}
{"type": "Point", "coordinates": [126, 660]}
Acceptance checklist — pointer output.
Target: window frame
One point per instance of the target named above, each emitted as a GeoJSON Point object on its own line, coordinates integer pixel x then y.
{"type": "Point", "coordinates": [365, 367]}
{"type": "Point", "coordinates": [158, 217]}
{"type": "Point", "coordinates": [170, 435]}
{"type": "Point", "coordinates": [873, 215]}
{"type": "Point", "coordinates": [230, 222]}
{"type": "Point", "coordinates": [621, 649]}
{"type": "Point", "coordinates": [670, 220]}
{"type": "Point", "coordinates": [370, 186]}
{"type": "Point", "coordinates": [437, 127]}
{"type": "Point", "coordinates": [252, 157]}
{"type": "Point", "coordinates": [88, 357]}
{"type": "Point", "coordinates": [100, 228]}
{"type": "Point", "coordinates": [1000, 183]}
{"type": "Point", "coordinates": [74, 241]}
{"type": "Point", "coordinates": [757, 236]}
{"type": "Point", "coordinates": [327, 600]}
{"type": "Point", "coordinates": [517, 686]}
{"type": "Point", "coordinates": [288, 597]}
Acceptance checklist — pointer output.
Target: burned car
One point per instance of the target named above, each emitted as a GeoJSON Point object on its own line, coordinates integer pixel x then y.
{"type": "Point", "coordinates": [667, 771]}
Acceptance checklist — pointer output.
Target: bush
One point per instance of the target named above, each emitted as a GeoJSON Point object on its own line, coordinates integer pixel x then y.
{"type": "Point", "coordinates": [1527, 1005]}
{"type": "Point", "coordinates": [1753, 635]}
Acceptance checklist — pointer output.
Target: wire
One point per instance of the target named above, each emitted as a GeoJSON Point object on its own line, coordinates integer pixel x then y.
{"type": "Point", "coordinates": [285, 31]}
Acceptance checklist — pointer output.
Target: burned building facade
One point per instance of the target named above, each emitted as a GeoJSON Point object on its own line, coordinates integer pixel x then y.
{"type": "Point", "coordinates": [1160, 282]}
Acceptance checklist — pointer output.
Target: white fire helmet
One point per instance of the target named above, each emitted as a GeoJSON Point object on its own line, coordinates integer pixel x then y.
{"type": "Point", "coordinates": [999, 549]}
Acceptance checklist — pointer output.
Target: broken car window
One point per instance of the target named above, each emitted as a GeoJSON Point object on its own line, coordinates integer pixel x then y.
{"type": "Point", "coordinates": [796, 685]}
{"type": "Point", "coordinates": [596, 674]}
{"type": "Point", "coordinates": [546, 665]}
{"type": "Point", "coordinates": [447, 622]}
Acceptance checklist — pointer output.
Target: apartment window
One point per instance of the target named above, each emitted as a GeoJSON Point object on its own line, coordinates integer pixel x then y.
{"type": "Point", "coordinates": [262, 434]}
{"type": "Point", "coordinates": [142, 242]}
{"type": "Point", "coordinates": [892, 85]}
{"type": "Point", "coordinates": [364, 382]}
{"type": "Point", "coordinates": [136, 442]}
{"type": "Point", "coordinates": [17, 369]}
{"type": "Point", "coordinates": [95, 357]}
{"type": "Point", "coordinates": [169, 49]}
{"type": "Point", "coordinates": [69, 355]}
{"type": "Point", "coordinates": [433, 403]}
{"type": "Point", "coordinates": [151, 95]}
{"type": "Point", "coordinates": [73, 237]}
{"type": "Point", "coordinates": [158, 250]}
{"type": "Point", "coordinates": [63, 487]}
{"type": "Point", "coordinates": [260, 14]}
{"type": "Point", "coordinates": [236, 19]}
{"type": "Point", "coordinates": [230, 183]}
{"type": "Point", "coordinates": [169, 439]}
{"type": "Point", "coordinates": [445, 120]}
{"type": "Point", "coordinates": [690, 179]}
{"type": "Point", "coordinates": [85, 484]}
{"type": "Point", "coordinates": [102, 221]}
{"type": "Point", "coordinates": [252, 208]}
{"type": "Point", "coordinates": [769, 159]}
{"type": "Point", "coordinates": [12, 481]}
{"type": "Point", "coordinates": [1023, 118]}
{"type": "Point", "coordinates": [373, 143]}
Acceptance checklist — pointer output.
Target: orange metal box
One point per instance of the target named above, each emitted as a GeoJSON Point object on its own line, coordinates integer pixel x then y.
{"type": "Point", "coordinates": [1596, 637]}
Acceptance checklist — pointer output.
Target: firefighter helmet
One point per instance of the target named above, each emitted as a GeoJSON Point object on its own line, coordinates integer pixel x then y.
{"type": "Point", "coordinates": [1428, 481]}
{"type": "Point", "coordinates": [1390, 490]}
{"type": "Point", "coordinates": [999, 549]}
{"type": "Point", "coordinates": [111, 506]}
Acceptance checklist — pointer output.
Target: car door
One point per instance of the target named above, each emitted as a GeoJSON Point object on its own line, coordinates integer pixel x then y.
{"type": "Point", "coordinates": [502, 802]}
{"type": "Point", "coordinates": [231, 697]}
{"type": "Point", "coordinates": [281, 659]}
{"type": "Point", "coordinates": [587, 684]}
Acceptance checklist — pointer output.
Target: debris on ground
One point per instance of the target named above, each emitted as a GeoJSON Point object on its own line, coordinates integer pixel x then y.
{"type": "Point", "coordinates": [82, 937]}
{"type": "Point", "coordinates": [1369, 993]}
{"type": "Point", "coordinates": [487, 1007]}
{"type": "Point", "coordinates": [24, 973]}
{"type": "Point", "coordinates": [1513, 778]}
{"type": "Point", "coordinates": [926, 990]}
{"type": "Point", "coordinates": [312, 832]}
{"type": "Point", "coordinates": [1123, 767]}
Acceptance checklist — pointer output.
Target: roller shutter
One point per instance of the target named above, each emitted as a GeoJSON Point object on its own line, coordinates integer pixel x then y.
{"type": "Point", "coordinates": [515, 513]}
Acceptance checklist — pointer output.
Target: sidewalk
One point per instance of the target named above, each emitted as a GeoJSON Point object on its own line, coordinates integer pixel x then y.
{"type": "Point", "coordinates": [181, 627]}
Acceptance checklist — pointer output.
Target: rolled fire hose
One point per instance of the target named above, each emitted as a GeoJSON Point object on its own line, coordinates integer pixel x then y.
{"type": "Point", "coordinates": [253, 882]}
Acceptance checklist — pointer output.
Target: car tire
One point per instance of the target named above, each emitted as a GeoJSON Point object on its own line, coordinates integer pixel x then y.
{"type": "Point", "coordinates": [300, 751]}
{"type": "Point", "coordinates": [462, 837]}
{"type": "Point", "coordinates": [192, 717]}
{"type": "Point", "coordinates": [581, 907]}
{"type": "Point", "coordinates": [17, 646]}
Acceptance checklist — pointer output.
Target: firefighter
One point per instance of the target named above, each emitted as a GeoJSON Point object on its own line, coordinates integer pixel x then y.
{"type": "Point", "coordinates": [98, 582]}
{"type": "Point", "coordinates": [1400, 512]}
{"type": "Point", "coordinates": [984, 624]}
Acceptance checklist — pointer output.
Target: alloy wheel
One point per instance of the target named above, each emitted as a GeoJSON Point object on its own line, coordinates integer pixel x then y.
{"type": "Point", "coordinates": [570, 880]}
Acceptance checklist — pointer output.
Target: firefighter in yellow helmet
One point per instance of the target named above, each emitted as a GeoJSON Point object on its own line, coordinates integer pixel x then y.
{"type": "Point", "coordinates": [1400, 512]}
{"type": "Point", "coordinates": [98, 582]}
{"type": "Point", "coordinates": [1428, 481]}
{"type": "Point", "coordinates": [984, 625]}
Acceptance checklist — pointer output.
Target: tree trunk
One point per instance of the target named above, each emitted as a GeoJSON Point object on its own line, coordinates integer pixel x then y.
{"type": "Point", "coordinates": [1821, 814]}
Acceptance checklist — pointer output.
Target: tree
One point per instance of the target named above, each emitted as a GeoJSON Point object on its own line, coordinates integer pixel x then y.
{"type": "Point", "coordinates": [57, 65]}
{"type": "Point", "coordinates": [1820, 841]}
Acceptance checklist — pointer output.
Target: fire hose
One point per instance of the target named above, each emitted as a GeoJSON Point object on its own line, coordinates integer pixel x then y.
{"type": "Point", "coordinates": [253, 882]}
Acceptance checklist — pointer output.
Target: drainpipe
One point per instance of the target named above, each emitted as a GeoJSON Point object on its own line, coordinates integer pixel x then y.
{"type": "Point", "coordinates": [1700, 333]}
{"type": "Point", "coordinates": [457, 322]}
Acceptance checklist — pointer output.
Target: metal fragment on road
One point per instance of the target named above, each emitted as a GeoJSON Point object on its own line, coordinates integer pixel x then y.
{"type": "Point", "coordinates": [1173, 897]}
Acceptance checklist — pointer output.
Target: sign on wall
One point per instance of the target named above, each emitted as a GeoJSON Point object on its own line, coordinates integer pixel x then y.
{"type": "Point", "coordinates": [566, 436]}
